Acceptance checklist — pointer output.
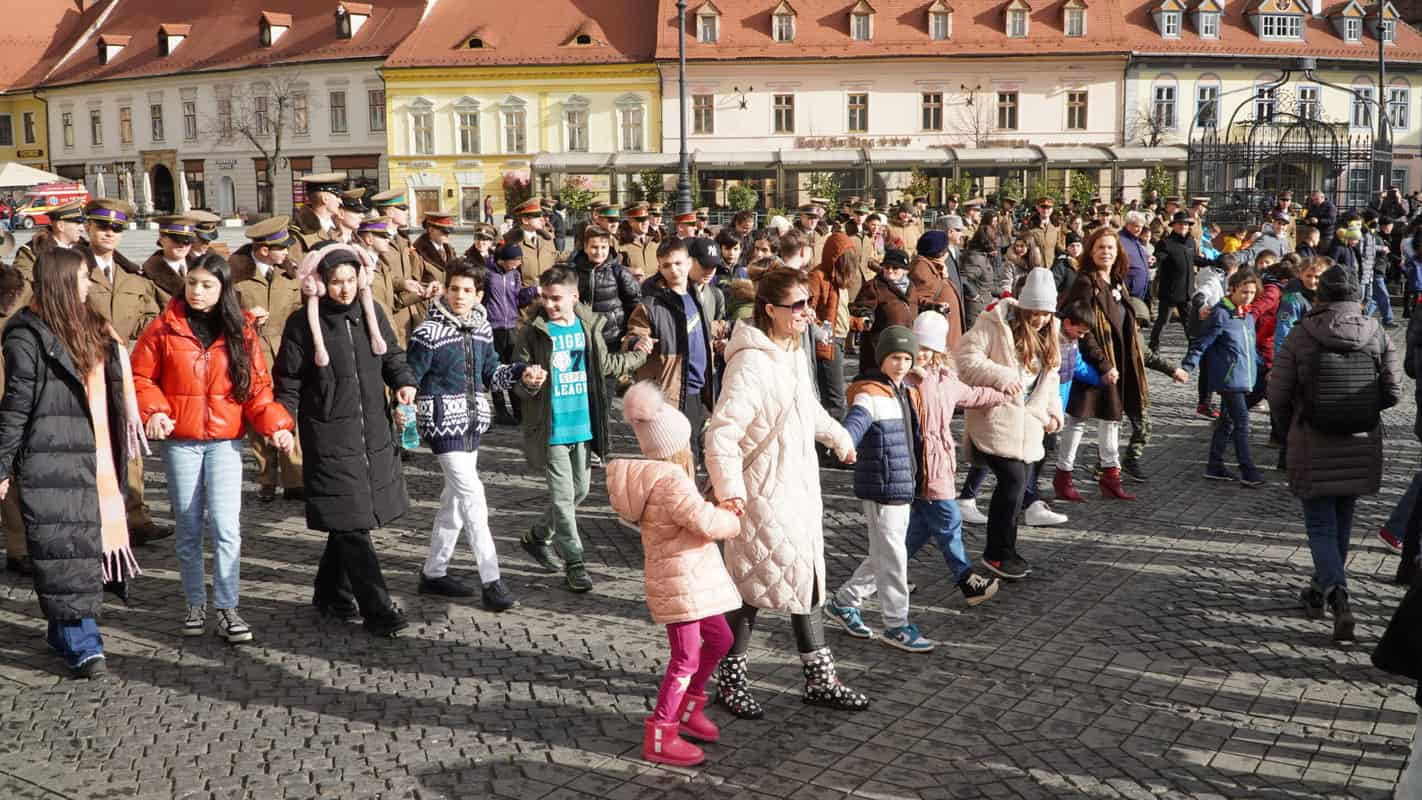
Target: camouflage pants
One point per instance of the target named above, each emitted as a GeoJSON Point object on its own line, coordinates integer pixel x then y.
{"type": "Point", "coordinates": [1140, 436]}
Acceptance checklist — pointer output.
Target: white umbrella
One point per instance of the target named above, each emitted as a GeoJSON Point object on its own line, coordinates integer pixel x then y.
{"type": "Point", "coordinates": [183, 204]}
{"type": "Point", "coordinates": [14, 175]}
{"type": "Point", "coordinates": [412, 199]}
{"type": "Point", "coordinates": [100, 190]}
{"type": "Point", "coordinates": [127, 190]}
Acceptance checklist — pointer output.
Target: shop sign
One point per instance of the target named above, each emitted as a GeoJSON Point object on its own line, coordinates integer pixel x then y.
{"type": "Point", "coordinates": [849, 142]}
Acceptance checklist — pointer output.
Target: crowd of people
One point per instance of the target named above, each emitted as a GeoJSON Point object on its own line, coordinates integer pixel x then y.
{"type": "Point", "coordinates": [337, 340]}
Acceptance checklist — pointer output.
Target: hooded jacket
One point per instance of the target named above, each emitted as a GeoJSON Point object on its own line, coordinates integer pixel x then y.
{"type": "Point", "coordinates": [1227, 336]}
{"type": "Point", "coordinates": [987, 356]}
{"type": "Point", "coordinates": [887, 441]}
{"type": "Point", "coordinates": [768, 409]}
{"type": "Point", "coordinates": [1294, 305]}
{"type": "Point", "coordinates": [1328, 464]}
{"type": "Point", "coordinates": [682, 571]}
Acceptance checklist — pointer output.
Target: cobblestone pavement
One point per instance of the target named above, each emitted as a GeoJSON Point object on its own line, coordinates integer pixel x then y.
{"type": "Point", "coordinates": [1156, 651]}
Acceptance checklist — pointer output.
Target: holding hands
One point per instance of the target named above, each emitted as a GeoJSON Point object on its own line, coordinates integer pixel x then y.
{"type": "Point", "coordinates": [159, 426]}
{"type": "Point", "coordinates": [282, 440]}
{"type": "Point", "coordinates": [534, 376]}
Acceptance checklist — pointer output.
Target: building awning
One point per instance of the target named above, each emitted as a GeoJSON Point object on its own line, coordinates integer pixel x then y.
{"type": "Point", "coordinates": [1076, 155]}
{"type": "Point", "coordinates": [640, 161]}
{"type": "Point", "coordinates": [1005, 156]}
{"type": "Point", "coordinates": [821, 159]}
{"type": "Point", "coordinates": [908, 159]}
{"type": "Point", "coordinates": [760, 159]}
{"type": "Point", "coordinates": [571, 162]}
{"type": "Point", "coordinates": [1149, 156]}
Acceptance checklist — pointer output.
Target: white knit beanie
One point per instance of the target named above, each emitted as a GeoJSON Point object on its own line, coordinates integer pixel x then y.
{"type": "Point", "coordinates": [1039, 292]}
{"type": "Point", "coordinates": [931, 328]}
{"type": "Point", "coordinates": [661, 430]}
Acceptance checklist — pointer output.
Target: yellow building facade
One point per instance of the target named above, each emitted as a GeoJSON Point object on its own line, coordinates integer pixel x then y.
{"type": "Point", "coordinates": [460, 135]}
{"type": "Point", "coordinates": [24, 134]}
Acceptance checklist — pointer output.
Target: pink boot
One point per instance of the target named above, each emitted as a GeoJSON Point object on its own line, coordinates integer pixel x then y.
{"type": "Point", "coordinates": [693, 719]}
{"type": "Point", "coordinates": [661, 745]}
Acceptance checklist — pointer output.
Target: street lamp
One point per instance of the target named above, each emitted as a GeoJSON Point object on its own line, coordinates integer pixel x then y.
{"type": "Point", "coordinates": [683, 180]}
{"type": "Point", "coordinates": [1382, 147]}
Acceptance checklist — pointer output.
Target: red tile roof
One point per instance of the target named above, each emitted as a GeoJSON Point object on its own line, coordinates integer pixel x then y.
{"type": "Point", "coordinates": [529, 32]}
{"type": "Point", "coordinates": [35, 36]}
{"type": "Point", "coordinates": [224, 36]}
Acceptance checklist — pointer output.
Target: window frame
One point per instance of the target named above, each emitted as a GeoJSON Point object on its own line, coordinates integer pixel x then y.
{"type": "Point", "coordinates": [1209, 24]}
{"type": "Point", "coordinates": [340, 112]}
{"type": "Point", "coordinates": [1362, 106]}
{"type": "Point", "coordinates": [28, 127]}
{"type": "Point", "coordinates": [155, 122]}
{"type": "Point", "coordinates": [375, 110]}
{"type": "Point", "coordinates": [1308, 108]}
{"type": "Point", "coordinates": [1404, 105]}
{"type": "Point", "coordinates": [937, 18]}
{"type": "Point", "coordinates": [577, 125]}
{"type": "Point", "coordinates": [125, 128]}
{"type": "Point", "coordinates": [468, 131]}
{"type": "Point", "coordinates": [632, 121]}
{"type": "Point", "coordinates": [190, 121]}
{"type": "Point", "coordinates": [7, 130]}
{"type": "Point", "coordinates": [1285, 27]}
{"type": "Point", "coordinates": [1212, 101]}
{"type": "Point", "coordinates": [300, 114]}
{"type": "Point", "coordinates": [1077, 16]}
{"type": "Point", "coordinates": [857, 112]}
{"type": "Point", "coordinates": [1009, 108]}
{"type": "Point", "coordinates": [930, 116]}
{"type": "Point", "coordinates": [782, 27]}
{"type": "Point", "coordinates": [1266, 100]}
{"type": "Point", "coordinates": [1170, 24]}
{"type": "Point", "coordinates": [1352, 29]}
{"type": "Point", "coordinates": [861, 27]}
{"type": "Point", "coordinates": [1078, 106]}
{"type": "Point", "coordinates": [703, 114]}
{"type": "Point", "coordinates": [1016, 15]}
{"type": "Point", "coordinates": [782, 108]}
{"type": "Point", "coordinates": [513, 126]}
{"type": "Point", "coordinates": [708, 24]}
{"type": "Point", "coordinates": [1159, 100]}
{"type": "Point", "coordinates": [66, 123]}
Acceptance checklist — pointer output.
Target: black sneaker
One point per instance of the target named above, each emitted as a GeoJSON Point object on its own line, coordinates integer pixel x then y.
{"type": "Point", "coordinates": [338, 611]}
{"type": "Point", "coordinates": [577, 579]}
{"type": "Point", "coordinates": [1131, 469]}
{"type": "Point", "coordinates": [1012, 568]}
{"type": "Point", "coordinates": [497, 598]}
{"type": "Point", "coordinates": [977, 588]}
{"type": "Point", "coordinates": [1252, 479]}
{"type": "Point", "coordinates": [541, 553]}
{"type": "Point", "coordinates": [1220, 473]}
{"type": "Point", "coordinates": [445, 585]}
{"type": "Point", "coordinates": [389, 627]}
{"type": "Point", "coordinates": [1311, 599]}
{"type": "Point", "coordinates": [1343, 622]}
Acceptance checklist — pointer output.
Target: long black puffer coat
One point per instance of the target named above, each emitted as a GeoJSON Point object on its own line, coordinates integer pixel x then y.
{"type": "Point", "coordinates": [611, 290]}
{"type": "Point", "coordinates": [47, 436]}
{"type": "Point", "coordinates": [349, 464]}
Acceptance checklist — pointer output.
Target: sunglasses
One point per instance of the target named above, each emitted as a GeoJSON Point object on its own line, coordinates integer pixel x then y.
{"type": "Point", "coordinates": [111, 227]}
{"type": "Point", "coordinates": [797, 306]}
{"type": "Point", "coordinates": [401, 207]}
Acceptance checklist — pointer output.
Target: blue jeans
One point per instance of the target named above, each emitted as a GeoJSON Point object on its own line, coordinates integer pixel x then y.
{"type": "Point", "coordinates": [940, 521]}
{"type": "Point", "coordinates": [1329, 522]}
{"type": "Point", "coordinates": [205, 483]}
{"type": "Point", "coordinates": [1378, 299]}
{"type": "Point", "coordinates": [76, 641]}
{"type": "Point", "coordinates": [1397, 520]}
{"type": "Point", "coordinates": [1232, 424]}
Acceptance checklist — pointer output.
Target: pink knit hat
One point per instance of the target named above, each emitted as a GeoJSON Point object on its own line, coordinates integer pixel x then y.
{"type": "Point", "coordinates": [661, 430]}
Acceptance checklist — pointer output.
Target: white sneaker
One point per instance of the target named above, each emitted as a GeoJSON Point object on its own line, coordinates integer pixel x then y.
{"type": "Point", "coordinates": [1040, 514]}
{"type": "Point", "coordinates": [971, 514]}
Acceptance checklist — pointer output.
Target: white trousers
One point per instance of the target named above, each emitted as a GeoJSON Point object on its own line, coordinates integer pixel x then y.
{"type": "Point", "coordinates": [886, 567]}
{"type": "Point", "coordinates": [462, 509]}
{"type": "Point", "coordinates": [1108, 443]}
{"type": "Point", "coordinates": [1410, 787]}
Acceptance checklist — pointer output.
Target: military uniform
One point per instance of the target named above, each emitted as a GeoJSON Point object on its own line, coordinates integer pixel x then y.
{"type": "Point", "coordinates": [638, 253]}
{"type": "Point", "coordinates": [539, 255]}
{"type": "Point", "coordinates": [907, 235]}
{"type": "Point", "coordinates": [16, 548]}
{"type": "Point", "coordinates": [434, 260]}
{"type": "Point", "coordinates": [278, 292]}
{"type": "Point", "coordinates": [306, 226]}
{"type": "Point", "coordinates": [401, 265]}
{"type": "Point", "coordinates": [167, 278]}
{"type": "Point", "coordinates": [206, 240]}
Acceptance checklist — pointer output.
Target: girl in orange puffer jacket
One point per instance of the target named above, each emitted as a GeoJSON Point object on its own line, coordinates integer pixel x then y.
{"type": "Point", "coordinates": [202, 394]}
{"type": "Point", "coordinates": [688, 587]}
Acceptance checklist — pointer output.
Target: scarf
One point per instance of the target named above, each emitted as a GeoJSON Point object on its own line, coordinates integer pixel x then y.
{"type": "Point", "coordinates": [118, 562]}
{"type": "Point", "coordinates": [476, 317]}
{"type": "Point", "coordinates": [902, 284]}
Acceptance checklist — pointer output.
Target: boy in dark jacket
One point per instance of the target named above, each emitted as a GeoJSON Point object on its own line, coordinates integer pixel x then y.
{"type": "Point", "coordinates": [565, 422]}
{"type": "Point", "coordinates": [883, 421]}
{"type": "Point", "coordinates": [1228, 337]}
{"type": "Point", "coordinates": [503, 299]}
{"type": "Point", "coordinates": [453, 357]}
{"type": "Point", "coordinates": [605, 284]}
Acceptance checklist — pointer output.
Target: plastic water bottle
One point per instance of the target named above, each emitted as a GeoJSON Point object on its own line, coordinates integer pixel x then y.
{"type": "Point", "coordinates": [410, 436]}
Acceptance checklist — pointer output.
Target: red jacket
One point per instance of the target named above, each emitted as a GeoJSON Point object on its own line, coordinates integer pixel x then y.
{"type": "Point", "coordinates": [173, 375]}
{"type": "Point", "coordinates": [1266, 314]}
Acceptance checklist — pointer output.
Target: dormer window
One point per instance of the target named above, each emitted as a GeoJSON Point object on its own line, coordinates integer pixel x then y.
{"type": "Point", "coordinates": [1074, 18]}
{"type": "Point", "coordinates": [587, 34]}
{"type": "Point", "coordinates": [940, 21]}
{"type": "Point", "coordinates": [1388, 30]}
{"type": "Point", "coordinates": [782, 23]}
{"type": "Point", "coordinates": [1169, 18]}
{"type": "Point", "coordinates": [861, 22]}
{"type": "Point", "coordinates": [170, 36]}
{"type": "Point", "coordinates": [350, 17]}
{"type": "Point", "coordinates": [1207, 18]}
{"type": "Point", "coordinates": [1353, 29]}
{"type": "Point", "coordinates": [272, 26]}
{"type": "Point", "coordinates": [479, 39]}
{"type": "Point", "coordinates": [110, 46]}
{"type": "Point", "coordinates": [475, 43]}
{"type": "Point", "coordinates": [1276, 20]}
{"type": "Point", "coordinates": [708, 24]}
{"type": "Point", "coordinates": [1017, 19]}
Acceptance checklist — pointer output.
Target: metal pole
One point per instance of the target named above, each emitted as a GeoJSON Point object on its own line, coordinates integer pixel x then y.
{"type": "Point", "coordinates": [1380, 182]}
{"type": "Point", "coordinates": [683, 181]}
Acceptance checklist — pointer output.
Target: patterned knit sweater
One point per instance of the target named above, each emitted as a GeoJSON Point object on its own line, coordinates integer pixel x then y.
{"type": "Point", "coordinates": [456, 367]}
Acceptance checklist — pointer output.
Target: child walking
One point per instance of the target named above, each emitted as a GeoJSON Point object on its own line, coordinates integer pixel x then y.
{"type": "Point", "coordinates": [453, 356]}
{"type": "Point", "coordinates": [1227, 343]}
{"type": "Point", "coordinates": [884, 419]}
{"type": "Point", "coordinates": [688, 587]}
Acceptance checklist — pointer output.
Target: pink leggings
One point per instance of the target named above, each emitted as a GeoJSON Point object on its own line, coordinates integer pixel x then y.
{"type": "Point", "coordinates": [696, 648]}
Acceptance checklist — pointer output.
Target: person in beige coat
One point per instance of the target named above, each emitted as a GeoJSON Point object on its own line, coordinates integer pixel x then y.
{"type": "Point", "coordinates": [760, 454]}
{"type": "Point", "coordinates": [1012, 348]}
{"type": "Point", "coordinates": [688, 589]}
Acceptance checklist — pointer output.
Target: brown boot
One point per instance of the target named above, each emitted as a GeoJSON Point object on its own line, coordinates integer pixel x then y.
{"type": "Point", "coordinates": [1061, 484]}
{"type": "Point", "coordinates": [1111, 484]}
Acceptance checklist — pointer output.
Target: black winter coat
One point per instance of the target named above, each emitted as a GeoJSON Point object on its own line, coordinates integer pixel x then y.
{"type": "Point", "coordinates": [47, 436]}
{"type": "Point", "coordinates": [1175, 258]}
{"type": "Point", "coordinates": [349, 464]}
{"type": "Point", "coordinates": [612, 292]}
{"type": "Point", "coordinates": [1412, 365]}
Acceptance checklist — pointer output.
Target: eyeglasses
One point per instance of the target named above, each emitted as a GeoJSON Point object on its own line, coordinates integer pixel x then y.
{"type": "Point", "coordinates": [111, 227]}
{"type": "Point", "coordinates": [797, 306]}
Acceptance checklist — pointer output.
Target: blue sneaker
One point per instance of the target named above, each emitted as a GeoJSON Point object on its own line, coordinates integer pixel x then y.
{"type": "Point", "coordinates": [908, 639]}
{"type": "Point", "coordinates": [848, 617]}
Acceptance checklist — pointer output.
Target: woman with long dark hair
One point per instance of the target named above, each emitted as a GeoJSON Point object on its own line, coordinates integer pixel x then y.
{"type": "Point", "coordinates": [202, 381]}
{"type": "Point", "coordinates": [68, 425]}
{"type": "Point", "coordinates": [833, 285]}
{"type": "Point", "coordinates": [982, 268]}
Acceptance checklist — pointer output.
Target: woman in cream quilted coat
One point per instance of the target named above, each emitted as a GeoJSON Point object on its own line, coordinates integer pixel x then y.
{"type": "Point", "coordinates": [760, 453]}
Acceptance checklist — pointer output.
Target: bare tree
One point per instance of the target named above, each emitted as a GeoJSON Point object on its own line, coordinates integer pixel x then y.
{"type": "Point", "coordinates": [263, 113]}
{"type": "Point", "coordinates": [1149, 127]}
{"type": "Point", "coordinates": [972, 117]}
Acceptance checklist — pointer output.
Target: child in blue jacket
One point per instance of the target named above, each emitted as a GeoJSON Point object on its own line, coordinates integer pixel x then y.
{"type": "Point", "coordinates": [883, 420]}
{"type": "Point", "coordinates": [1227, 337]}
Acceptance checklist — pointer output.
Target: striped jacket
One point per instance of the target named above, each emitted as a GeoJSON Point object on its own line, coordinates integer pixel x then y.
{"type": "Point", "coordinates": [889, 447]}
{"type": "Point", "coordinates": [456, 367]}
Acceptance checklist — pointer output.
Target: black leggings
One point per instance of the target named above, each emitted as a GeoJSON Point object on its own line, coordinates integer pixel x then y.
{"type": "Point", "coordinates": [1005, 506]}
{"type": "Point", "coordinates": [809, 629]}
{"type": "Point", "coordinates": [1162, 318]}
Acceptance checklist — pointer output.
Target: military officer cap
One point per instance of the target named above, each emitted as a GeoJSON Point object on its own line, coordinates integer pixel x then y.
{"type": "Point", "coordinates": [73, 211]}
{"type": "Point", "coordinates": [822, 202]}
{"type": "Point", "coordinates": [270, 232]}
{"type": "Point", "coordinates": [177, 226]}
{"type": "Point", "coordinates": [332, 182]}
{"type": "Point", "coordinates": [207, 223]}
{"type": "Point", "coordinates": [381, 226]}
{"type": "Point", "coordinates": [1173, 199]}
{"type": "Point", "coordinates": [703, 213]}
{"type": "Point", "coordinates": [635, 211]}
{"type": "Point", "coordinates": [439, 219]}
{"type": "Point", "coordinates": [689, 218]}
{"type": "Point", "coordinates": [1200, 201]}
{"type": "Point", "coordinates": [862, 208]}
{"type": "Point", "coordinates": [107, 209]}
{"type": "Point", "coordinates": [976, 202]}
{"type": "Point", "coordinates": [485, 231]}
{"type": "Point", "coordinates": [388, 198]}
{"type": "Point", "coordinates": [528, 208]}
{"type": "Point", "coordinates": [353, 199]}
{"type": "Point", "coordinates": [1046, 201]}
{"type": "Point", "coordinates": [609, 212]}
{"type": "Point", "coordinates": [655, 210]}
{"type": "Point", "coordinates": [546, 202]}
{"type": "Point", "coordinates": [810, 209]}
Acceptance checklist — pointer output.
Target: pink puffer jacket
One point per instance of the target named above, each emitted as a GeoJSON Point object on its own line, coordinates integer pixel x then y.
{"type": "Point", "coordinates": [685, 577]}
